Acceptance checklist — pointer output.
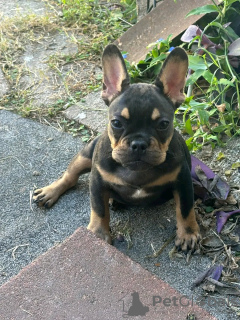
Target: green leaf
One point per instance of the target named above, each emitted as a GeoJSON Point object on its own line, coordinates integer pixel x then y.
{"type": "Point", "coordinates": [207, 75]}
{"type": "Point", "coordinates": [231, 33]}
{"type": "Point", "coordinates": [219, 128]}
{"type": "Point", "coordinates": [160, 57]}
{"type": "Point", "coordinates": [189, 143]}
{"type": "Point", "coordinates": [194, 77]}
{"type": "Point", "coordinates": [229, 2]}
{"type": "Point", "coordinates": [157, 69]}
{"type": "Point", "coordinates": [208, 209]}
{"type": "Point", "coordinates": [216, 24]}
{"type": "Point", "coordinates": [226, 82]}
{"type": "Point", "coordinates": [197, 63]}
{"type": "Point", "coordinates": [220, 156]}
{"type": "Point", "coordinates": [155, 53]}
{"type": "Point", "coordinates": [202, 10]}
{"type": "Point", "coordinates": [236, 165]}
{"type": "Point", "coordinates": [188, 127]}
{"type": "Point", "coordinates": [203, 116]}
{"type": "Point", "coordinates": [196, 105]}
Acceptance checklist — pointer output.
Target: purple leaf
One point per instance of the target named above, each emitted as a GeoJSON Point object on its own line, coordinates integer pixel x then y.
{"type": "Point", "coordinates": [189, 34]}
{"type": "Point", "coordinates": [193, 31]}
{"type": "Point", "coordinates": [216, 273]}
{"type": "Point", "coordinates": [199, 190]}
{"type": "Point", "coordinates": [222, 217]}
{"type": "Point", "coordinates": [207, 42]}
{"type": "Point", "coordinates": [234, 61]}
{"type": "Point", "coordinates": [202, 277]}
{"type": "Point", "coordinates": [234, 48]}
{"type": "Point", "coordinates": [196, 162]}
{"type": "Point", "coordinates": [211, 182]}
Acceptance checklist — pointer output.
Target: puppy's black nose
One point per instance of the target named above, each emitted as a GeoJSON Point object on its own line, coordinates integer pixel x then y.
{"type": "Point", "coordinates": [139, 146]}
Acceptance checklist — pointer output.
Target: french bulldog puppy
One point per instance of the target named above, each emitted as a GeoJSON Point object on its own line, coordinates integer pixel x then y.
{"type": "Point", "coordinates": [140, 158]}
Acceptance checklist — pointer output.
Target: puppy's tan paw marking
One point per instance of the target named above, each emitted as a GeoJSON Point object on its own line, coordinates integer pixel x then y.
{"type": "Point", "coordinates": [100, 232]}
{"type": "Point", "coordinates": [187, 239]}
{"type": "Point", "coordinates": [46, 196]}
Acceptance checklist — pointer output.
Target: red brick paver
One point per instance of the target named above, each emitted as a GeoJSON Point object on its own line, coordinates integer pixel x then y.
{"type": "Point", "coordinates": [85, 278]}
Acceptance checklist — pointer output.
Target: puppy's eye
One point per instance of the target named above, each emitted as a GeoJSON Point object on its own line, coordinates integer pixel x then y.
{"type": "Point", "coordinates": [116, 124]}
{"type": "Point", "coordinates": [162, 124]}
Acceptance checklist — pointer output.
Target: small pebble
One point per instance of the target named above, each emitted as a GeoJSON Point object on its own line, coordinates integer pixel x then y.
{"type": "Point", "coordinates": [120, 237]}
{"type": "Point", "coordinates": [36, 173]}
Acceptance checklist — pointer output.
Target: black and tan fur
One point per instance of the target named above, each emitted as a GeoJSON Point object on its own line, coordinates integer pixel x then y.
{"type": "Point", "coordinates": [140, 158]}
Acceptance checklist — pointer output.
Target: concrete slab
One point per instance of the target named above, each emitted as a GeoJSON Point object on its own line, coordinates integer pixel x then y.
{"type": "Point", "coordinates": [4, 86]}
{"type": "Point", "coordinates": [169, 17]}
{"type": "Point", "coordinates": [92, 112]}
{"type": "Point", "coordinates": [47, 75]}
{"type": "Point", "coordinates": [17, 7]}
{"type": "Point", "coordinates": [48, 83]}
{"type": "Point", "coordinates": [85, 278]}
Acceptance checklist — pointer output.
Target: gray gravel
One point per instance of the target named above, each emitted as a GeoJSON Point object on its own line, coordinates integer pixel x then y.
{"type": "Point", "coordinates": [28, 149]}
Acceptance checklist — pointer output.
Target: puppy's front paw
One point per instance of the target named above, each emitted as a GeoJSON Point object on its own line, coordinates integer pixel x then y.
{"type": "Point", "coordinates": [100, 231]}
{"type": "Point", "coordinates": [187, 238]}
{"type": "Point", "coordinates": [46, 196]}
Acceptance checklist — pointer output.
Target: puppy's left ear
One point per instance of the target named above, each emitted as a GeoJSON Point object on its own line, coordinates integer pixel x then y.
{"type": "Point", "coordinates": [115, 76]}
{"type": "Point", "coordinates": [172, 77]}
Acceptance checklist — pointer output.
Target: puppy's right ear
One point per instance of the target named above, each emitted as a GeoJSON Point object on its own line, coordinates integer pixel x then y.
{"type": "Point", "coordinates": [172, 77]}
{"type": "Point", "coordinates": [115, 76]}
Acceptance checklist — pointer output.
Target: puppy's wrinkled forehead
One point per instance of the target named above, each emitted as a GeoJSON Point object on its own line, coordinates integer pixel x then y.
{"type": "Point", "coordinates": [141, 102]}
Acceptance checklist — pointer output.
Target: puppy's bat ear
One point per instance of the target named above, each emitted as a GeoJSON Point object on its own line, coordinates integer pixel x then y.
{"type": "Point", "coordinates": [115, 76]}
{"type": "Point", "coordinates": [172, 77]}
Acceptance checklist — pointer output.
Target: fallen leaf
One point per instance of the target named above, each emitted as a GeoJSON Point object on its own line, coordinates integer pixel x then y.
{"type": "Point", "coordinates": [220, 156]}
{"type": "Point", "coordinates": [221, 107]}
{"type": "Point", "coordinates": [228, 172]}
{"type": "Point", "coordinates": [209, 287]}
{"type": "Point", "coordinates": [207, 151]}
{"type": "Point", "coordinates": [222, 217]}
{"type": "Point", "coordinates": [206, 183]}
{"type": "Point", "coordinates": [216, 274]}
{"type": "Point", "coordinates": [202, 277]}
{"type": "Point", "coordinates": [229, 291]}
{"type": "Point", "coordinates": [236, 165]}
{"type": "Point", "coordinates": [231, 200]}
{"type": "Point", "coordinates": [210, 244]}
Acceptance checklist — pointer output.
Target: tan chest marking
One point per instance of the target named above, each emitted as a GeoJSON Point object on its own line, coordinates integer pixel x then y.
{"type": "Point", "coordinates": [169, 177]}
{"type": "Point", "coordinates": [109, 177]}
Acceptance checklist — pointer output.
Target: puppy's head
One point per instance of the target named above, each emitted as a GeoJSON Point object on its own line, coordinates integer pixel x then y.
{"type": "Point", "coordinates": [141, 115]}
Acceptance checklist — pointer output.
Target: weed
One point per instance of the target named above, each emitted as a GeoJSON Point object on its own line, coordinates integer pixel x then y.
{"type": "Point", "coordinates": [90, 25]}
{"type": "Point", "coordinates": [77, 130]}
